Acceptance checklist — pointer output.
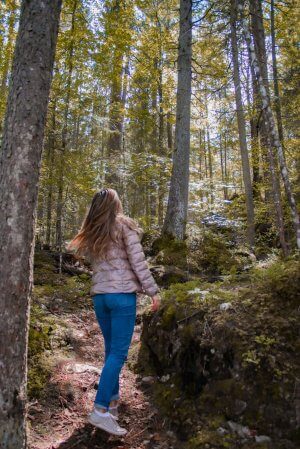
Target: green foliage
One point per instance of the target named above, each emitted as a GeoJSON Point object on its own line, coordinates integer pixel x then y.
{"type": "Point", "coordinates": [281, 277]}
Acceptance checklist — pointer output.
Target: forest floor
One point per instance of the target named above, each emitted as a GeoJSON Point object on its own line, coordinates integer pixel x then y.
{"type": "Point", "coordinates": [243, 330]}
{"type": "Point", "coordinates": [58, 419]}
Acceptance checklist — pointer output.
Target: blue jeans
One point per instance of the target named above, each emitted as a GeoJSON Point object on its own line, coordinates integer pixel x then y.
{"type": "Point", "coordinates": [116, 314]}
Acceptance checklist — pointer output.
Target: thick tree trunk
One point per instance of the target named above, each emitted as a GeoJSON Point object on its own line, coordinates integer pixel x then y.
{"type": "Point", "coordinates": [19, 173]}
{"type": "Point", "coordinates": [270, 124]}
{"type": "Point", "coordinates": [177, 209]}
{"type": "Point", "coordinates": [242, 127]}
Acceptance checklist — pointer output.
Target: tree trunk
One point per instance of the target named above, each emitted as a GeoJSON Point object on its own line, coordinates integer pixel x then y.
{"type": "Point", "coordinates": [6, 57]}
{"type": "Point", "coordinates": [116, 111]}
{"type": "Point", "coordinates": [64, 136]}
{"type": "Point", "coordinates": [210, 167]}
{"type": "Point", "coordinates": [51, 154]}
{"type": "Point", "coordinates": [177, 209]}
{"type": "Point", "coordinates": [254, 131]}
{"type": "Point", "coordinates": [275, 77]}
{"type": "Point", "coordinates": [269, 159]}
{"type": "Point", "coordinates": [260, 49]}
{"type": "Point", "coordinates": [19, 173]}
{"type": "Point", "coordinates": [169, 133]}
{"type": "Point", "coordinates": [271, 126]}
{"type": "Point", "coordinates": [161, 148]}
{"type": "Point", "coordinates": [242, 127]}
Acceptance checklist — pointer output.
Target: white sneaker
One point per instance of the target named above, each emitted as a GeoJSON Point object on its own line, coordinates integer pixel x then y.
{"type": "Point", "coordinates": [107, 422]}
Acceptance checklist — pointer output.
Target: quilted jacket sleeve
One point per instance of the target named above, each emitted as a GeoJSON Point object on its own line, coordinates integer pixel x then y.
{"type": "Point", "coordinates": [138, 261]}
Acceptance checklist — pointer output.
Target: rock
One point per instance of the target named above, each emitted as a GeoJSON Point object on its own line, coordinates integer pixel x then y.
{"type": "Point", "coordinates": [218, 221]}
{"type": "Point", "coordinates": [165, 378]}
{"type": "Point", "coordinates": [81, 368]}
{"type": "Point", "coordinates": [261, 439]}
{"type": "Point", "coordinates": [225, 306]}
{"type": "Point", "coordinates": [166, 275]}
{"type": "Point", "coordinates": [148, 380]}
{"type": "Point", "coordinates": [198, 291]}
{"type": "Point", "coordinates": [242, 431]}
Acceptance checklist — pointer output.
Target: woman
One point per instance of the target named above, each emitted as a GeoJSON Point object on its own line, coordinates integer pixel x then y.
{"type": "Point", "coordinates": [111, 241]}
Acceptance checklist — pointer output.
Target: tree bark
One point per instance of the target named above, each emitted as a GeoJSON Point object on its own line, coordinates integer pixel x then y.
{"type": "Point", "coordinates": [177, 209]}
{"type": "Point", "coordinates": [270, 125]}
{"type": "Point", "coordinates": [260, 49]}
{"type": "Point", "coordinates": [64, 134]}
{"type": "Point", "coordinates": [277, 102]}
{"type": "Point", "coordinates": [254, 131]}
{"type": "Point", "coordinates": [6, 57]}
{"type": "Point", "coordinates": [242, 128]}
{"type": "Point", "coordinates": [269, 159]}
{"type": "Point", "coordinates": [210, 166]}
{"type": "Point", "coordinates": [116, 109]}
{"type": "Point", "coordinates": [19, 173]}
{"type": "Point", "coordinates": [50, 160]}
{"type": "Point", "coordinates": [161, 147]}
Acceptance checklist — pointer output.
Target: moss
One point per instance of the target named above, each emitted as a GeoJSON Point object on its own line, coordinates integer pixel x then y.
{"type": "Point", "coordinates": [168, 316]}
{"type": "Point", "coordinates": [170, 251]}
{"type": "Point", "coordinates": [281, 278]}
{"type": "Point", "coordinates": [45, 271]}
{"type": "Point", "coordinates": [247, 354]}
{"type": "Point", "coordinates": [84, 277]}
{"type": "Point", "coordinates": [39, 367]}
{"type": "Point", "coordinates": [207, 438]}
{"type": "Point", "coordinates": [39, 372]}
{"type": "Point", "coordinates": [213, 255]}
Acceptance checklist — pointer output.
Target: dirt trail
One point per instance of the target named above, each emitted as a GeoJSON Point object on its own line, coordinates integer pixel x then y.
{"type": "Point", "coordinates": [58, 421]}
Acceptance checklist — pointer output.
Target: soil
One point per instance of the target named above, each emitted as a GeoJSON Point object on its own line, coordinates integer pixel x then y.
{"type": "Point", "coordinates": [59, 419]}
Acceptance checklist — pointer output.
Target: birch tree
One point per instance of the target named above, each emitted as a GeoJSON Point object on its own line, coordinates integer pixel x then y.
{"type": "Point", "coordinates": [19, 173]}
{"type": "Point", "coordinates": [270, 123]}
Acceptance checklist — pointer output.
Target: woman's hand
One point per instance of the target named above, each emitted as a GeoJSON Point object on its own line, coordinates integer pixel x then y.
{"type": "Point", "coordinates": [155, 302]}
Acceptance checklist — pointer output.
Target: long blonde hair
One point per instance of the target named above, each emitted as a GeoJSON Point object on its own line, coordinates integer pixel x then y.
{"type": "Point", "coordinates": [99, 228]}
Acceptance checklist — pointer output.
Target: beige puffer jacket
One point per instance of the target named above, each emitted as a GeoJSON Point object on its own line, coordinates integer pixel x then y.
{"type": "Point", "coordinates": [126, 269]}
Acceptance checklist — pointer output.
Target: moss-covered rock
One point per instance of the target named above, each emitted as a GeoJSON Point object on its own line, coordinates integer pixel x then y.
{"type": "Point", "coordinates": [170, 251]}
{"type": "Point", "coordinates": [45, 272]}
{"type": "Point", "coordinates": [238, 362]}
{"type": "Point", "coordinates": [212, 254]}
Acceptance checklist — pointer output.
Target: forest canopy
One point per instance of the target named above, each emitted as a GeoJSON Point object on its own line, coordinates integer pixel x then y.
{"type": "Point", "coordinates": [112, 110]}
